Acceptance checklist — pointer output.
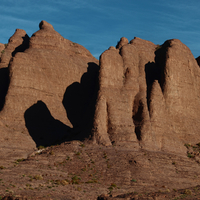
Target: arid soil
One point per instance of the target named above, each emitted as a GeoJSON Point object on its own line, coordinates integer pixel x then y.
{"type": "Point", "coordinates": [75, 170]}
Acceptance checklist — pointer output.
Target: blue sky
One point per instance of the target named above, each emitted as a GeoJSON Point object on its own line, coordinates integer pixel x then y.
{"type": "Point", "coordinates": [99, 24]}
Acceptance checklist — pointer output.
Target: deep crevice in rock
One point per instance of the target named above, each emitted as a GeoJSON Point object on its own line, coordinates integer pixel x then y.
{"type": "Point", "coordinates": [160, 60]}
{"type": "Point", "coordinates": [23, 46]}
{"type": "Point", "coordinates": [138, 110]}
{"type": "Point", "coordinates": [79, 101]}
{"type": "Point", "coordinates": [4, 85]}
{"type": "Point", "coordinates": [151, 71]}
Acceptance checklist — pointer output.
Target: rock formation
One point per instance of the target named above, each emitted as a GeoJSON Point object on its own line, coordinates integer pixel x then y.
{"type": "Point", "coordinates": [44, 79]}
{"type": "Point", "coordinates": [148, 96]}
{"type": "Point", "coordinates": [141, 101]}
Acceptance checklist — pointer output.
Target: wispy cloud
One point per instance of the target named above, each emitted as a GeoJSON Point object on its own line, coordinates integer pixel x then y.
{"type": "Point", "coordinates": [99, 24]}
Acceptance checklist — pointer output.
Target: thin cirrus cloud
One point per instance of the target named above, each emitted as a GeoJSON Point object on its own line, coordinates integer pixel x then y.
{"type": "Point", "coordinates": [100, 24]}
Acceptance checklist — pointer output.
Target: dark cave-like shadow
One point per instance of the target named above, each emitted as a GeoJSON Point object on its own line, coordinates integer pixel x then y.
{"type": "Point", "coordinates": [4, 72]}
{"type": "Point", "coordinates": [42, 127]}
{"type": "Point", "coordinates": [79, 101]}
{"type": "Point", "coordinates": [151, 70]}
{"type": "Point", "coordinates": [4, 84]}
{"type": "Point", "coordinates": [23, 46]}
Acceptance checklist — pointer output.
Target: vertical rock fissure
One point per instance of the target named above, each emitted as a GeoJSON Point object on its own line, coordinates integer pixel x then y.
{"type": "Point", "coordinates": [137, 117]}
{"type": "Point", "coordinates": [109, 127]}
{"type": "Point", "coordinates": [4, 85]}
{"type": "Point", "coordinates": [23, 46]}
{"type": "Point", "coordinates": [152, 73]}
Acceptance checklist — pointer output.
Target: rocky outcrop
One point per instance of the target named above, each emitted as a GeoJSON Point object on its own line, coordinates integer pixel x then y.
{"type": "Point", "coordinates": [2, 47]}
{"type": "Point", "coordinates": [149, 96]}
{"type": "Point", "coordinates": [47, 78]}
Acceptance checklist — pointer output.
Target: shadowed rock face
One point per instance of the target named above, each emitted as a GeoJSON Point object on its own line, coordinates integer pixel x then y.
{"type": "Point", "coordinates": [38, 72]}
{"type": "Point", "coordinates": [148, 97]}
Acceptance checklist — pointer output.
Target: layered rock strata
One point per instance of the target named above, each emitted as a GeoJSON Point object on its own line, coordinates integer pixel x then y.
{"type": "Point", "coordinates": [49, 86]}
{"type": "Point", "coordinates": [149, 96]}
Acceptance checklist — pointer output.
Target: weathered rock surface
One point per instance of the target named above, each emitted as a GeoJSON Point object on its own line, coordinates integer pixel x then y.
{"type": "Point", "coordinates": [2, 47]}
{"type": "Point", "coordinates": [149, 95]}
{"type": "Point", "coordinates": [144, 112]}
{"type": "Point", "coordinates": [48, 85]}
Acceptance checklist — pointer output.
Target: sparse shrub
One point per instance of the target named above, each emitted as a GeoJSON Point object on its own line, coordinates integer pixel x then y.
{"type": "Point", "coordinates": [92, 181]}
{"type": "Point", "coordinates": [41, 147]}
{"type": "Point", "coordinates": [104, 155]}
{"type": "Point", "coordinates": [20, 160]}
{"type": "Point", "coordinates": [68, 158]}
{"type": "Point", "coordinates": [38, 177]}
{"type": "Point", "coordinates": [108, 166]}
{"type": "Point", "coordinates": [75, 179]}
{"type": "Point", "coordinates": [188, 192]}
{"type": "Point", "coordinates": [133, 180]}
{"type": "Point", "coordinates": [113, 185]}
{"type": "Point", "coordinates": [84, 169]}
{"type": "Point", "coordinates": [64, 182]}
{"type": "Point", "coordinates": [158, 47]}
{"type": "Point", "coordinates": [92, 161]}
{"type": "Point", "coordinates": [110, 188]}
{"type": "Point", "coordinates": [187, 145]}
{"type": "Point", "coordinates": [189, 155]}
{"type": "Point", "coordinates": [78, 153]}
{"type": "Point", "coordinates": [82, 145]}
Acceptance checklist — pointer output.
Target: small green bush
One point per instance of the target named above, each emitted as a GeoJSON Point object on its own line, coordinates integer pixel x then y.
{"type": "Point", "coordinates": [38, 177]}
{"type": "Point", "coordinates": [133, 180]}
{"type": "Point", "coordinates": [75, 179]}
{"type": "Point", "coordinates": [158, 47]}
{"type": "Point", "coordinates": [41, 147]}
{"type": "Point", "coordinates": [187, 145]}
{"type": "Point", "coordinates": [189, 155]}
{"type": "Point", "coordinates": [188, 192]}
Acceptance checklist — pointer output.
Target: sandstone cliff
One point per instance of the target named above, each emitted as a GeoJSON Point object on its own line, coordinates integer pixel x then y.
{"type": "Point", "coordinates": [149, 96]}
{"type": "Point", "coordinates": [48, 87]}
{"type": "Point", "coordinates": [140, 102]}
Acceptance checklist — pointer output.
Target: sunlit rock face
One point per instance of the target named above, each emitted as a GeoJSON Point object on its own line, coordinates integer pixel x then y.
{"type": "Point", "coordinates": [48, 87]}
{"type": "Point", "coordinates": [148, 97]}
{"type": "Point", "coordinates": [140, 96]}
